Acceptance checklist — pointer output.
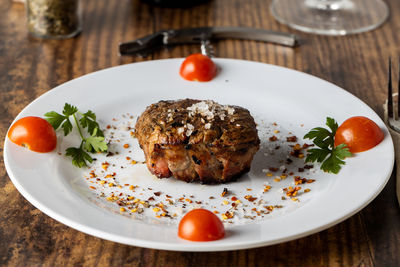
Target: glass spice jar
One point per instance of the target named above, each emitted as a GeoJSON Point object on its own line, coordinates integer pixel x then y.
{"type": "Point", "coordinates": [54, 19]}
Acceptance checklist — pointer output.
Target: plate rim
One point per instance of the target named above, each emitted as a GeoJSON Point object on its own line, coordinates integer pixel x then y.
{"type": "Point", "coordinates": [181, 247]}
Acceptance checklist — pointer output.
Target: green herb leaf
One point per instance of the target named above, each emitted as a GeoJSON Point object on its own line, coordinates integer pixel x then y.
{"type": "Point", "coordinates": [69, 110]}
{"type": "Point", "coordinates": [317, 132]}
{"type": "Point", "coordinates": [332, 124]}
{"type": "Point", "coordinates": [54, 119]}
{"type": "Point", "coordinates": [79, 156]}
{"type": "Point", "coordinates": [330, 156]}
{"type": "Point", "coordinates": [323, 143]}
{"type": "Point", "coordinates": [332, 164]}
{"type": "Point", "coordinates": [89, 120]}
{"type": "Point", "coordinates": [317, 154]}
{"type": "Point", "coordinates": [90, 114]}
{"type": "Point", "coordinates": [342, 151]}
{"type": "Point", "coordinates": [94, 143]}
{"type": "Point", "coordinates": [67, 126]}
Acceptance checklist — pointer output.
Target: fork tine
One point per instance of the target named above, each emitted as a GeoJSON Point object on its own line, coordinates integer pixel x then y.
{"type": "Point", "coordinates": [390, 96]}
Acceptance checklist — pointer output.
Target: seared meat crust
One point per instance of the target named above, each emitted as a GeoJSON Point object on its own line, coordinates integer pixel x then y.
{"type": "Point", "coordinates": [196, 140]}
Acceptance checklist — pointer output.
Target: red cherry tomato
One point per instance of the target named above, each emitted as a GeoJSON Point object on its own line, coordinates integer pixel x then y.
{"type": "Point", "coordinates": [198, 67]}
{"type": "Point", "coordinates": [359, 133]}
{"type": "Point", "coordinates": [35, 133]}
{"type": "Point", "coordinates": [201, 225]}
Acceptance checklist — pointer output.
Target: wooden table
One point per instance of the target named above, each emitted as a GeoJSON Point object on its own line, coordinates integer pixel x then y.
{"type": "Point", "coordinates": [29, 67]}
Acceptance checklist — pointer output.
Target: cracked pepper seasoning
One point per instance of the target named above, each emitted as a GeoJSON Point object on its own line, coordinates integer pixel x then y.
{"type": "Point", "coordinates": [57, 19]}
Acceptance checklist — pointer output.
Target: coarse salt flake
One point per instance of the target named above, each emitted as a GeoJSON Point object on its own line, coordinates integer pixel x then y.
{"type": "Point", "coordinates": [180, 130]}
{"type": "Point", "coordinates": [190, 129]}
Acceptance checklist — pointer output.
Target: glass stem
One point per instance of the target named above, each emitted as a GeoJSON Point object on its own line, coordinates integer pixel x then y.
{"type": "Point", "coordinates": [328, 5]}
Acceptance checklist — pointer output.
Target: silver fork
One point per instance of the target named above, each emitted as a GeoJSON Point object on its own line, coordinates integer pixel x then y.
{"type": "Point", "coordinates": [392, 116]}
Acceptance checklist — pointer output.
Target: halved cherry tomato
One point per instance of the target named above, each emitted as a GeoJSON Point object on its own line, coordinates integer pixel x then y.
{"type": "Point", "coordinates": [35, 133]}
{"type": "Point", "coordinates": [198, 67]}
{"type": "Point", "coordinates": [201, 225]}
{"type": "Point", "coordinates": [359, 133]}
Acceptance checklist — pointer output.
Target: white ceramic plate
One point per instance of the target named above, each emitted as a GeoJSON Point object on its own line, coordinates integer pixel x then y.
{"type": "Point", "coordinates": [296, 101]}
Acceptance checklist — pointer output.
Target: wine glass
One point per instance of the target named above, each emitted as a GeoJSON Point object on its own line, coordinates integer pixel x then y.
{"type": "Point", "coordinates": [330, 17]}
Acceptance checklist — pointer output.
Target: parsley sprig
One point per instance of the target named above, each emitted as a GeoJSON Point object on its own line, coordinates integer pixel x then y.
{"type": "Point", "coordinates": [330, 156]}
{"type": "Point", "coordinates": [93, 143]}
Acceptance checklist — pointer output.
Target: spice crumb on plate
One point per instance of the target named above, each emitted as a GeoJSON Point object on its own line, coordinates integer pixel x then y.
{"type": "Point", "coordinates": [141, 196]}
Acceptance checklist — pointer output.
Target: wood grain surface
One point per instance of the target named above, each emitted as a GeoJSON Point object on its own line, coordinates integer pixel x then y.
{"type": "Point", "coordinates": [30, 67]}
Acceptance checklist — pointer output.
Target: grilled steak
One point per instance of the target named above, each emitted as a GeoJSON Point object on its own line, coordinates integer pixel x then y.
{"type": "Point", "coordinates": [195, 140]}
